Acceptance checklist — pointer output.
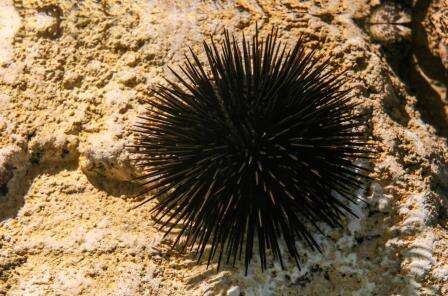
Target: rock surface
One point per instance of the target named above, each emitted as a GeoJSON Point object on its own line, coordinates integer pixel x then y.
{"type": "Point", "coordinates": [73, 77]}
{"type": "Point", "coordinates": [437, 28]}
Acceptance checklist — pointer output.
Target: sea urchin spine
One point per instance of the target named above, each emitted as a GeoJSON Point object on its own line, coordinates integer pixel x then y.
{"type": "Point", "coordinates": [254, 151]}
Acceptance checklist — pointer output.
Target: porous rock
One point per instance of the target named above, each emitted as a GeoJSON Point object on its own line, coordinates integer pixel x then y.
{"type": "Point", "coordinates": [69, 101]}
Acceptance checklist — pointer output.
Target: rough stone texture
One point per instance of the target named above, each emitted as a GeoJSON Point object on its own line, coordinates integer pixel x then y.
{"type": "Point", "coordinates": [437, 28]}
{"type": "Point", "coordinates": [73, 77]}
{"type": "Point", "coordinates": [389, 22]}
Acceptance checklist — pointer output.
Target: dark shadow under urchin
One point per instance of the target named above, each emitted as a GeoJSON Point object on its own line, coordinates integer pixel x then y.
{"type": "Point", "coordinates": [252, 149]}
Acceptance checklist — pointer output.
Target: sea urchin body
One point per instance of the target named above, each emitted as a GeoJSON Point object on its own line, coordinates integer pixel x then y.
{"type": "Point", "coordinates": [253, 152]}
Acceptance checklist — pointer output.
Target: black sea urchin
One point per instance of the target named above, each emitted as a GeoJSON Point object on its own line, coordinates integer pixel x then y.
{"type": "Point", "coordinates": [259, 148]}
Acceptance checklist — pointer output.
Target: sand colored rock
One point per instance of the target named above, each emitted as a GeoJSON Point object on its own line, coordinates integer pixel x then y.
{"type": "Point", "coordinates": [437, 28]}
{"type": "Point", "coordinates": [75, 74]}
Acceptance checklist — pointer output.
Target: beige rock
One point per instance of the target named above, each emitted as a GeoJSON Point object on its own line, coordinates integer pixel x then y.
{"type": "Point", "coordinates": [9, 24]}
{"type": "Point", "coordinates": [68, 102]}
{"type": "Point", "coordinates": [105, 156]}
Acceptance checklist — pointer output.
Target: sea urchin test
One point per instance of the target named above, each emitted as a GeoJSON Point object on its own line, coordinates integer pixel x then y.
{"type": "Point", "coordinates": [252, 150]}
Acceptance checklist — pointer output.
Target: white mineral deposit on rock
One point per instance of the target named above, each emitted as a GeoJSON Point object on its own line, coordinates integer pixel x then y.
{"type": "Point", "coordinates": [9, 24]}
{"type": "Point", "coordinates": [41, 22]}
{"type": "Point", "coordinates": [234, 291]}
